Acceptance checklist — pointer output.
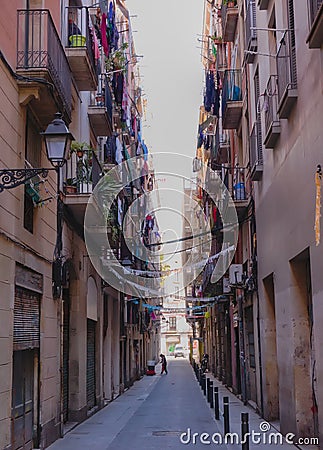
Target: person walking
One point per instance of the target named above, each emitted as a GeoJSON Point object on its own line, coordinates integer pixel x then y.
{"type": "Point", "coordinates": [163, 361]}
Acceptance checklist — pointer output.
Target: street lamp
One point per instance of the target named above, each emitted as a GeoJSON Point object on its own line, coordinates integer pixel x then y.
{"type": "Point", "coordinates": [57, 140]}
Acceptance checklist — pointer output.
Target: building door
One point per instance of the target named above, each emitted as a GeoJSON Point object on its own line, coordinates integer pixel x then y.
{"type": "Point", "coordinates": [23, 399]}
{"type": "Point", "coordinates": [90, 364]}
{"type": "Point", "coordinates": [25, 382]}
{"type": "Point", "coordinates": [66, 334]}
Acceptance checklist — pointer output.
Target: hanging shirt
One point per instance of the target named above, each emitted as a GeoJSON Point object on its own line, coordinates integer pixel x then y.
{"type": "Point", "coordinates": [104, 39]}
{"type": "Point", "coordinates": [118, 151]}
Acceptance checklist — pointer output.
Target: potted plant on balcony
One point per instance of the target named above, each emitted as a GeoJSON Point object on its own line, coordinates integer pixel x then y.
{"type": "Point", "coordinates": [70, 186]}
{"type": "Point", "coordinates": [117, 60]}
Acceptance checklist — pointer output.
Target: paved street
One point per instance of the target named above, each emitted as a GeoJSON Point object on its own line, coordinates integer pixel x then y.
{"type": "Point", "coordinates": [156, 411]}
{"type": "Point", "coordinates": [150, 415]}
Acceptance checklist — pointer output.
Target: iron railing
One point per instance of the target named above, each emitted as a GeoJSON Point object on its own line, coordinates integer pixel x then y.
{"type": "Point", "coordinates": [39, 47]}
{"type": "Point", "coordinates": [103, 95]}
{"type": "Point", "coordinates": [236, 181]}
{"type": "Point", "coordinates": [231, 91]}
{"type": "Point", "coordinates": [313, 9]}
{"type": "Point", "coordinates": [286, 65]}
{"type": "Point", "coordinates": [82, 173]}
{"type": "Point", "coordinates": [271, 102]}
{"type": "Point", "coordinates": [221, 56]}
{"type": "Point", "coordinates": [79, 32]}
{"type": "Point", "coordinates": [250, 23]}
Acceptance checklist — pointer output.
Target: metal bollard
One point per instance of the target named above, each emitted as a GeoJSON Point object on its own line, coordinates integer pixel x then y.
{"type": "Point", "coordinates": [204, 383]}
{"type": "Point", "coordinates": [244, 431]}
{"type": "Point", "coordinates": [208, 389]}
{"type": "Point", "coordinates": [226, 415]}
{"type": "Point", "coordinates": [216, 403]}
{"type": "Point", "coordinates": [211, 395]}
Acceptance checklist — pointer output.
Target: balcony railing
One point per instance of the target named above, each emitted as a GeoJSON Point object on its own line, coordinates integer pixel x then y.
{"type": "Point", "coordinates": [80, 46]}
{"type": "Point", "coordinates": [39, 47]}
{"type": "Point", "coordinates": [82, 173]}
{"type": "Point", "coordinates": [272, 123]}
{"type": "Point", "coordinates": [287, 75]}
{"type": "Point", "coordinates": [231, 99]}
{"type": "Point", "coordinates": [315, 37]}
{"type": "Point", "coordinates": [101, 109]}
{"type": "Point", "coordinates": [250, 32]}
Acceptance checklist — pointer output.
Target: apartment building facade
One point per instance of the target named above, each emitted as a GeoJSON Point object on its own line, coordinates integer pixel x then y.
{"type": "Point", "coordinates": [65, 348]}
{"type": "Point", "coordinates": [264, 62]}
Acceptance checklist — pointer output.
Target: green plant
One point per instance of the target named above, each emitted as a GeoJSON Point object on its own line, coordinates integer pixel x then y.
{"type": "Point", "coordinates": [117, 60]}
{"type": "Point", "coordinates": [80, 147]}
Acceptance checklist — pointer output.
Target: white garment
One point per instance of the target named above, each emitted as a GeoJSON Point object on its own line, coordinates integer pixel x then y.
{"type": "Point", "coordinates": [118, 151]}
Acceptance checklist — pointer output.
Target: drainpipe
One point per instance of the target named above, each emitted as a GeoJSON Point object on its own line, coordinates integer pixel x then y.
{"type": "Point", "coordinates": [242, 352]}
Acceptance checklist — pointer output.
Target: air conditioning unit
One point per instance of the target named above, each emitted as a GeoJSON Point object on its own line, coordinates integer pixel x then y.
{"type": "Point", "coordinates": [235, 274]}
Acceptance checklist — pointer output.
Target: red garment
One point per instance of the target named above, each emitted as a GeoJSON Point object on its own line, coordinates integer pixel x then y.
{"type": "Point", "coordinates": [104, 39]}
{"type": "Point", "coordinates": [214, 213]}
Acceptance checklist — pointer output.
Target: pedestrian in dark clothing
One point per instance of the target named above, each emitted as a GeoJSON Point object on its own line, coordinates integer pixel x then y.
{"type": "Point", "coordinates": [163, 363]}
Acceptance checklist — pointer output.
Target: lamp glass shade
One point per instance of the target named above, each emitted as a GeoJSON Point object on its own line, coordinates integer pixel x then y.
{"type": "Point", "coordinates": [57, 149]}
{"type": "Point", "coordinates": [58, 141]}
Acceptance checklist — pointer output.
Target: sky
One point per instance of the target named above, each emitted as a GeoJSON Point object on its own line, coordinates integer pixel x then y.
{"type": "Point", "coordinates": [166, 34]}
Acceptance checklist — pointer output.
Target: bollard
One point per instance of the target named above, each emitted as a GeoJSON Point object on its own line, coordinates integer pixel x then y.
{"type": "Point", "coordinates": [245, 431]}
{"type": "Point", "coordinates": [200, 377]}
{"type": "Point", "coordinates": [211, 395]}
{"type": "Point", "coordinates": [204, 383]}
{"type": "Point", "coordinates": [216, 403]}
{"type": "Point", "coordinates": [208, 390]}
{"type": "Point", "coordinates": [226, 415]}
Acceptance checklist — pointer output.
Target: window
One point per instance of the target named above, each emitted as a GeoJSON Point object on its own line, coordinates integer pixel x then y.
{"type": "Point", "coordinates": [172, 323]}
{"type": "Point", "coordinates": [28, 212]}
{"type": "Point", "coordinates": [33, 156]}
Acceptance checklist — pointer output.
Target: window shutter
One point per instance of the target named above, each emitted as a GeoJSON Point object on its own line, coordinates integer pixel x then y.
{"type": "Point", "coordinates": [292, 43]}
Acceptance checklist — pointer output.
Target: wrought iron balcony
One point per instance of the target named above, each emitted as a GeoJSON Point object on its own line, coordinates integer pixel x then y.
{"type": "Point", "coordinates": [80, 47]}
{"type": "Point", "coordinates": [231, 99]}
{"type": "Point", "coordinates": [229, 16]}
{"type": "Point", "coordinates": [250, 34]}
{"type": "Point", "coordinates": [82, 173]}
{"type": "Point", "coordinates": [100, 109]}
{"type": "Point", "coordinates": [41, 56]}
{"type": "Point", "coordinates": [287, 75]}
{"type": "Point", "coordinates": [255, 149]}
{"type": "Point", "coordinates": [315, 37]}
{"type": "Point", "coordinates": [272, 122]}
{"type": "Point", "coordinates": [236, 179]}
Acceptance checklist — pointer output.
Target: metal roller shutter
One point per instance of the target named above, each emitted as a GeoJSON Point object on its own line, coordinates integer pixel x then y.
{"type": "Point", "coordinates": [26, 320]}
{"type": "Point", "coordinates": [90, 369]}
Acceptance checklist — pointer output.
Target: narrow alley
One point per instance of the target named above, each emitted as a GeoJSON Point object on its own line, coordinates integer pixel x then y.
{"type": "Point", "coordinates": [164, 412]}
{"type": "Point", "coordinates": [150, 415]}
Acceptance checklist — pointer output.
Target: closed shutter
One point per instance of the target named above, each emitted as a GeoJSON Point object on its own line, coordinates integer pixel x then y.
{"type": "Point", "coordinates": [292, 44]}
{"type": "Point", "coordinates": [26, 333]}
{"type": "Point", "coordinates": [258, 120]}
{"type": "Point", "coordinates": [90, 364]}
{"type": "Point", "coordinates": [66, 319]}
